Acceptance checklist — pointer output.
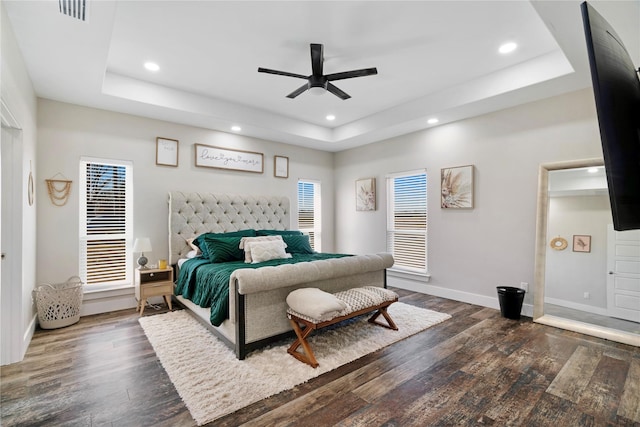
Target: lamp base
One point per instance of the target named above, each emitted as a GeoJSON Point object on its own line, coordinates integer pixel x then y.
{"type": "Point", "coordinates": [142, 262]}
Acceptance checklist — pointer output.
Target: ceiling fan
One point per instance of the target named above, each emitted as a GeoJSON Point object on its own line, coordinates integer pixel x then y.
{"type": "Point", "coordinates": [317, 78]}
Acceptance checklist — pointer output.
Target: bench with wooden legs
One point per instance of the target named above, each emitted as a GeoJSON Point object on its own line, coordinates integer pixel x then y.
{"type": "Point", "coordinates": [356, 302]}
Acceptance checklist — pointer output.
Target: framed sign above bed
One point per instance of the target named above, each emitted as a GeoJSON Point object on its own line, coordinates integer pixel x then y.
{"type": "Point", "coordinates": [166, 151]}
{"type": "Point", "coordinates": [209, 156]}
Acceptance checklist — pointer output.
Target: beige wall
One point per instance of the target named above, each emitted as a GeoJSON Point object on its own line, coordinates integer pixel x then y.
{"type": "Point", "coordinates": [68, 132]}
{"type": "Point", "coordinates": [471, 251]}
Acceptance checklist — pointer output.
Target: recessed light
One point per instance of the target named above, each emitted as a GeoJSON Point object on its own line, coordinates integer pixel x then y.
{"type": "Point", "coordinates": [433, 121]}
{"type": "Point", "coordinates": [330, 117]}
{"type": "Point", "coordinates": [236, 128]}
{"type": "Point", "coordinates": [151, 66]}
{"type": "Point", "coordinates": [592, 170]}
{"type": "Point", "coordinates": [507, 47]}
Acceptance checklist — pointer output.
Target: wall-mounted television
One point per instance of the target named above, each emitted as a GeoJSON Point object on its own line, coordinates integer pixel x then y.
{"type": "Point", "coordinates": [616, 87]}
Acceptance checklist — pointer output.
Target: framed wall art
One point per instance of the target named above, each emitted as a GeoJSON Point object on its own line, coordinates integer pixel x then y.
{"type": "Point", "coordinates": [166, 151]}
{"type": "Point", "coordinates": [456, 187]}
{"type": "Point", "coordinates": [281, 167]}
{"type": "Point", "coordinates": [209, 156]}
{"type": "Point", "coordinates": [581, 243]}
{"type": "Point", "coordinates": [366, 194]}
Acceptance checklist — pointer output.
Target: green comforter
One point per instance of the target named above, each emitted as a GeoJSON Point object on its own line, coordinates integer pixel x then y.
{"type": "Point", "coordinates": [207, 284]}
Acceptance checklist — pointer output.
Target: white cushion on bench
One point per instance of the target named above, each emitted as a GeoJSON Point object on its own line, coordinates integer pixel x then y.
{"type": "Point", "coordinates": [352, 300]}
{"type": "Point", "coordinates": [315, 303]}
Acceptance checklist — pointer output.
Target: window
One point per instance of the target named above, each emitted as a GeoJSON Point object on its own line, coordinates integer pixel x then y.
{"type": "Point", "coordinates": [105, 222]}
{"type": "Point", "coordinates": [309, 212]}
{"type": "Point", "coordinates": [407, 221]}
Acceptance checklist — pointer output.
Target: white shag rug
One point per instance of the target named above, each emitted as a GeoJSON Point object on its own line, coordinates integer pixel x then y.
{"type": "Point", "coordinates": [213, 383]}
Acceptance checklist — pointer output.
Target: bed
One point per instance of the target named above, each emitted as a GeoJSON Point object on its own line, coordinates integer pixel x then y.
{"type": "Point", "coordinates": [257, 296]}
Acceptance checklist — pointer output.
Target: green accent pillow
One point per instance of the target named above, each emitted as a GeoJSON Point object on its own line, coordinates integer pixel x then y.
{"type": "Point", "coordinates": [298, 244]}
{"type": "Point", "coordinates": [199, 241]}
{"type": "Point", "coordinates": [223, 249]}
{"type": "Point", "coordinates": [278, 233]}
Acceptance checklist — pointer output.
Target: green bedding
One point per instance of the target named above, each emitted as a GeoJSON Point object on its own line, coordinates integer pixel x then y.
{"type": "Point", "coordinates": [207, 284]}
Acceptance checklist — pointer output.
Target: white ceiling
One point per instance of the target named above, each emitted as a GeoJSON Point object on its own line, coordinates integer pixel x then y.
{"type": "Point", "coordinates": [434, 59]}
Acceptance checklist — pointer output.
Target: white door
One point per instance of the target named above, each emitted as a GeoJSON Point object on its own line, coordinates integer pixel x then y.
{"type": "Point", "coordinates": [623, 278]}
{"type": "Point", "coordinates": [7, 290]}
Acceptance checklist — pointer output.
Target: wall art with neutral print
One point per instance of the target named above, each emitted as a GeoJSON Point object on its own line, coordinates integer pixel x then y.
{"type": "Point", "coordinates": [581, 243]}
{"type": "Point", "coordinates": [224, 158]}
{"type": "Point", "coordinates": [456, 187]}
{"type": "Point", "coordinates": [366, 194]}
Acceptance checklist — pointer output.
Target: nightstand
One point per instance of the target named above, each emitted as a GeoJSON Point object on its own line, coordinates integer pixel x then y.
{"type": "Point", "coordinates": [152, 282]}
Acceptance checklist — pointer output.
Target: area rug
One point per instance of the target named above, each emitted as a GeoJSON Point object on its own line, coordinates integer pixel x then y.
{"type": "Point", "coordinates": [213, 383]}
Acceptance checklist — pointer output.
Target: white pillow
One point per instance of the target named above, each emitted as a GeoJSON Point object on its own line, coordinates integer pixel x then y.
{"type": "Point", "coordinates": [265, 251]}
{"type": "Point", "coordinates": [315, 303]}
{"type": "Point", "coordinates": [191, 254]}
{"type": "Point", "coordinates": [246, 242]}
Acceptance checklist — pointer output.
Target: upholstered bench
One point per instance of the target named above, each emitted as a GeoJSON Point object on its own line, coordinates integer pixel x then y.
{"type": "Point", "coordinates": [311, 309]}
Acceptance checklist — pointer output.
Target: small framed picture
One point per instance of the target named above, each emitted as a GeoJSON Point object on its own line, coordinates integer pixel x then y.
{"type": "Point", "coordinates": [366, 194]}
{"type": "Point", "coordinates": [581, 243]}
{"type": "Point", "coordinates": [281, 167]}
{"type": "Point", "coordinates": [166, 152]}
{"type": "Point", "coordinates": [456, 187]}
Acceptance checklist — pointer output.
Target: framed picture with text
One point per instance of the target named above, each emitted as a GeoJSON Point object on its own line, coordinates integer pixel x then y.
{"type": "Point", "coordinates": [166, 152]}
{"type": "Point", "coordinates": [281, 167]}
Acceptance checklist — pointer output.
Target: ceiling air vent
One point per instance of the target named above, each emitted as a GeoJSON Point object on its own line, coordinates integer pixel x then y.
{"type": "Point", "coordinates": [74, 8]}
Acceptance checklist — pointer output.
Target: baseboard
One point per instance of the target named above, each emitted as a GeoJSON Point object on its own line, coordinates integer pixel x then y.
{"type": "Point", "coordinates": [28, 335]}
{"type": "Point", "coordinates": [577, 306]}
{"type": "Point", "coordinates": [468, 297]}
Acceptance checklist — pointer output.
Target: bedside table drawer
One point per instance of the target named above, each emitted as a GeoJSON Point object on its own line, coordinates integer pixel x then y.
{"type": "Point", "coordinates": [153, 289]}
{"type": "Point", "coordinates": [157, 276]}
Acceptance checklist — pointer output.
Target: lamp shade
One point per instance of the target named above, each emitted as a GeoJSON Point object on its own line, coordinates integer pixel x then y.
{"type": "Point", "coordinates": [142, 244]}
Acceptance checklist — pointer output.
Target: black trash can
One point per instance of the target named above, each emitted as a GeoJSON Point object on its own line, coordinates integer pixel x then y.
{"type": "Point", "coordinates": [510, 301]}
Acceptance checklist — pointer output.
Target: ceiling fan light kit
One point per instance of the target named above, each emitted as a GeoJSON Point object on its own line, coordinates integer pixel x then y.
{"type": "Point", "coordinates": [319, 81]}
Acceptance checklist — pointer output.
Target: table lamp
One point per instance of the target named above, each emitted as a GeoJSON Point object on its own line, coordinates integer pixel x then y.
{"type": "Point", "coordinates": [142, 245]}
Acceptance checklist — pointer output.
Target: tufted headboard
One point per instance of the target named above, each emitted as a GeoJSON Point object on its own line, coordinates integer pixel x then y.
{"type": "Point", "coordinates": [191, 214]}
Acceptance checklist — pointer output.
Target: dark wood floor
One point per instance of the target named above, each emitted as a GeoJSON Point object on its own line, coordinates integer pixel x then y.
{"type": "Point", "coordinates": [475, 369]}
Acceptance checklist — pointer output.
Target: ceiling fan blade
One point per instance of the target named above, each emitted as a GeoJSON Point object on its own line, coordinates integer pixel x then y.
{"type": "Point", "coordinates": [351, 74]}
{"type": "Point", "coordinates": [317, 59]}
{"type": "Point", "coordinates": [281, 73]}
{"type": "Point", "coordinates": [337, 92]}
{"type": "Point", "coordinates": [298, 91]}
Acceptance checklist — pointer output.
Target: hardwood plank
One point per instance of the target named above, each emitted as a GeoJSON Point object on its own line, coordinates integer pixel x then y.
{"type": "Point", "coordinates": [630, 401]}
{"type": "Point", "coordinates": [602, 394]}
{"type": "Point", "coordinates": [575, 374]}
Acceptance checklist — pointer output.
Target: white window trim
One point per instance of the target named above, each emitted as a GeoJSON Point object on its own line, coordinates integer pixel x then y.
{"type": "Point", "coordinates": [400, 271]}
{"type": "Point", "coordinates": [317, 213]}
{"type": "Point", "coordinates": [127, 283]}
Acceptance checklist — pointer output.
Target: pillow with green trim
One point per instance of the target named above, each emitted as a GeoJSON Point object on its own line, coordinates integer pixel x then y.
{"type": "Point", "coordinates": [278, 233]}
{"type": "Point", "coordinates": [223, 249]}
{"type": "Point", "coordinates": [199, 241]}
{"type": "Point", "coordinates": [298, 244]}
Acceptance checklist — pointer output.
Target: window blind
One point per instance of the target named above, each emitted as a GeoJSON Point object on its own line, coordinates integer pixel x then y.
{"type": "Point", "coordinates": [407, 221]}
{"type": "Point", "coordinates": [309, 211]}
{"type": "Point", "coordinates": [105, 222]}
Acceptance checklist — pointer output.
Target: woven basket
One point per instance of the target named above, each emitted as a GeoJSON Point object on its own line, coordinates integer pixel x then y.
{"type": "Point", "coordinates": [58, 304]}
